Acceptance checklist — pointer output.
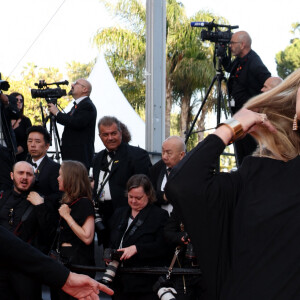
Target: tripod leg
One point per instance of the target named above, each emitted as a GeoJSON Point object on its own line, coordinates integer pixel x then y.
{"type": "Point", "coordinates": [200, 109]}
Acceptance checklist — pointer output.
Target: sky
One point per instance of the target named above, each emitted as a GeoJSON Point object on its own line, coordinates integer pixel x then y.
{"type": "Point", "coordinates": [51, 33]}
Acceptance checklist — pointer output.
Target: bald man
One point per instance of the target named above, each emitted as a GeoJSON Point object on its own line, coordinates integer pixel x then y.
{"type": "Point", "coordinates": [24, 213]}
{"type": "Point", "coordinates": [79, 133]}
{"type": "Point", "coordinates": [270, 83]}
{"type": "Point", "coordinates": [173, 151]}
{"type": "Point", "coordinates": [247, 77]}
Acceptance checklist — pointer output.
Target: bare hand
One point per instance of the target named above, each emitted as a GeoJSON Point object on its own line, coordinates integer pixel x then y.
{"type": "Point", "coordinates": [35, 199]}
{"type": "Point", "coordinates": [53, 109]}
{"type": "Point", "coordinates": [83, 287]}
{"type": "Point", "coordinates": [64, 211]}
{"type": "Point", "coordinates": [128, 252]}
{"type": "Point", "coordinates": [249, 119]}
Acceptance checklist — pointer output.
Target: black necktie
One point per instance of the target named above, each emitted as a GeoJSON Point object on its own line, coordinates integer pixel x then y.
{"type": "Point", "coordinates": [168, 172]}
{"type": "Point", "coordinates": [73, 108]}
{"type": "Point", "coordinates": [111, 154]}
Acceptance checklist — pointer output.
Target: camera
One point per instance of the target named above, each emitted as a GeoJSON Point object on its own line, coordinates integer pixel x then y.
{"type": "Point", "coordinates": [4, 85]}
{"type": "Point", "coordinates": [213, 33]}
{"type": "Point", "coordinates": [111, 256]}
{"type": "Point", "coordinates": [164, 289]}
{"type": "Point", "coordinates": [189, 251]}
{"type": "Point", "coordinates": [99, 226]}
{"type": "Point", "coordinates": [216, 36]}
{"type": "Point", "coordinates": [50, 95]}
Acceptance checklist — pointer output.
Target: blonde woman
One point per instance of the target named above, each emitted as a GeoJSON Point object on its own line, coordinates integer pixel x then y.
{"type": "Point", "coordinates": [245, 225]}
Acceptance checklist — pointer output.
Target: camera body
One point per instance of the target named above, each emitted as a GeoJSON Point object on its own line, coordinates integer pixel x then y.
{"type": "Point", "coordinates": [48, 93]}
{"type": "Point", "coordinates": [111, 256]}
{"type": "Point", "coordinates": [164, 289]}
{"type": "Point", "coordinates": [4, 85]}
{"type": "Point", "coordinates": [223, 37]}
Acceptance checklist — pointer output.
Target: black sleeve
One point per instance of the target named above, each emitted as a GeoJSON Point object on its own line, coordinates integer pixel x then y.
{"type": "Point", "coordinates": [20, 255]}
{"type": "Point", "coordinates": [78, 120]}
{"type": "Point", "coordinates": [172, 231]}
{"type": "Point", "coordinates": [141, 162]}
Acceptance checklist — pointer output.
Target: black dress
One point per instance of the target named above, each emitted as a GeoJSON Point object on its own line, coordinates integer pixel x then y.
{"type": "Point", "coordinates": [79, 253]}
{"type": "Point", "coordinates": [244, 225]}
{"type": "Point", "coordinates": [21, 137]}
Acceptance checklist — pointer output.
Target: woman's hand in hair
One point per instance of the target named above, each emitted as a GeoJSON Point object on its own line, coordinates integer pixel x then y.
{"type": "Point", "coordinates": [250, 119]}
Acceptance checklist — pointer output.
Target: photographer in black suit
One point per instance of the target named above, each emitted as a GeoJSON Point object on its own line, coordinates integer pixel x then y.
{"type": "Point", "coordinates": [46, 172]}
{"type": "Point", "coordinates": [79, 133]}
{"type": "Point", "coordinates": [113, 167]}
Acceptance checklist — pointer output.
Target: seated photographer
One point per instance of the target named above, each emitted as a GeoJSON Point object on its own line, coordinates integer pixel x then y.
{"type": "Point", "coordinates": [137, 234]}
{"type": "Point", "coordinates": [188, 287]}
{"type": "Point", "coordinates": [75, 238]}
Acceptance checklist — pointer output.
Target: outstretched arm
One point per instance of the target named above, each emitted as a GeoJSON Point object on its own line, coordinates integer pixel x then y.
{"type": "Point", "coordinates": [83, 287]}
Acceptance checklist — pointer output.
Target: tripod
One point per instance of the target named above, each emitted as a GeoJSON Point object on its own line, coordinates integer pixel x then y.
{"type": "Point", "coordinates": [218, 79]}
{"type": "Point", "coordinates": [53, 129]}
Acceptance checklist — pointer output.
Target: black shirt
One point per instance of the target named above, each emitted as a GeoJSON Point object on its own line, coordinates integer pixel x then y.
{"type": "Point", "coordinates": [247, 77]}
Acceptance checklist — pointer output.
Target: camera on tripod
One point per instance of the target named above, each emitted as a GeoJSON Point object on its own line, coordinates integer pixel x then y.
{"type": "Point", "coordinates": [51, 95]}
{"type": "Point", "coordinates": [215, 35]}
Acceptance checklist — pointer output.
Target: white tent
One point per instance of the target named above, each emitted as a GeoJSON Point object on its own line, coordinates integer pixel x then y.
{"type": "Point", "coordinates": [109, 100]}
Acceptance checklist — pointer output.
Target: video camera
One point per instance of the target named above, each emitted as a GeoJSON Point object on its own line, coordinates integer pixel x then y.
{"type": "Point", "coordinates": [4, 85]}
{"type": "Point", "coordinates": [216, 36]}
{"type": "Point", "coordinates": [51, 95]}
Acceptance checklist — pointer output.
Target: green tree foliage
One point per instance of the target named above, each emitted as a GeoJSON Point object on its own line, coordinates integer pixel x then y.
{"type": "Point", "coordinates": [288, 60]}
{"type": "Point", "coordinates": [76, 70]}
{"type": "Point", "coordinates": [189, 60]}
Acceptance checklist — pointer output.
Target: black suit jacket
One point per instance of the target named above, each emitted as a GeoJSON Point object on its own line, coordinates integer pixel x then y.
{"type": "Point", "coordinates": [23, 257]}
{"type": "Point", "coordinates": [146, 233]}
{"type": "Point", "coordinates": [46, 183]}
{"type": "Point", "coordinates": [128, 161]}
{"type": "Point", "coordinates": [156, 174]}
{"type": "Point", "coordinates": [79, 133]}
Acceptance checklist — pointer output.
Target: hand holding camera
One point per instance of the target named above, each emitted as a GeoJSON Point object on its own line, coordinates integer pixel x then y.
{"type": "Point", "coordinates": [128, 252]}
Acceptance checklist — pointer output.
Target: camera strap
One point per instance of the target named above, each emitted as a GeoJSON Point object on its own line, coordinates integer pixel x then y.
{"type": "Point", "coordinates": [170, 269]}
{"type": "Point", "coordinates": [105, 179]}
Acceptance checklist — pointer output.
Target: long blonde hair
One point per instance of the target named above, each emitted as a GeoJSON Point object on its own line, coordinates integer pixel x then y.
{"type": "Point", "coordinates": [279, 104]}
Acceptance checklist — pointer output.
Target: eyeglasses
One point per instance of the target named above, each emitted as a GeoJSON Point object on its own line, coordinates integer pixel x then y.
{"type": "Point", "coordinates": [78, 83]}
{"type": "Point", "coordinates": [21, 100]}
{"type": "Point", "coordinates": [11, 216]}
{"type": "Point", "coordinates": [230, 43]}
